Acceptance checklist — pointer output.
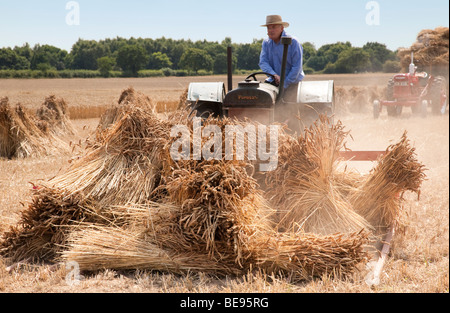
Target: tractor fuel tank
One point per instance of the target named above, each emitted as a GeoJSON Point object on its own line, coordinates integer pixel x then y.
{"type": "Point", "coordinates": [316, 92]}
{"type": "Point", "coordinates": [207, 91]}
{"type": "Point", "coordinates": [315, 98]}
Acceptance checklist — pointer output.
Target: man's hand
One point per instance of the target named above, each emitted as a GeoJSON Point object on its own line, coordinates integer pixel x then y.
{"type": "Point", "coordinates": [277, 79]}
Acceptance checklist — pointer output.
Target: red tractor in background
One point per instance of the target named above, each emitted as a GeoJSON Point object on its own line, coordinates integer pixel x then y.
{"type": "Point", "coordinates": [416, 90]}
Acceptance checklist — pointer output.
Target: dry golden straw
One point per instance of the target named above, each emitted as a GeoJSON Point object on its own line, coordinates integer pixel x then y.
{"type": "Point", "coordinates": [378, 198]}
{"type": "Point", "coordinates": [44, 225]}
{"type": "Point", "coordinates": [96, 247]}
{"type": "Point", "coordinates": [128, 97]}
{"type": "Point", "coordinates": [53, 115]}
{"type": "Point", "coordinates": [126, 204]}
{"type": "Point", "coordinates": [303, 188]}
{"type": "Point", "coordinates": [125, 167]}
{"type": "Point", "coordinates": [430, 49]}
{"type": "Point", "coordinates": [20, 136]}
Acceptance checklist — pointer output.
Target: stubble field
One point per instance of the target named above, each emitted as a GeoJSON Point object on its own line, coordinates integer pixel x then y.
{"type": "Point", "coordinates": [417, 263]}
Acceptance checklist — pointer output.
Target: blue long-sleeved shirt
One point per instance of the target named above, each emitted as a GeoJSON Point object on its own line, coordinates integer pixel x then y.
{"type": "Point", "coordinates": [272, 56]}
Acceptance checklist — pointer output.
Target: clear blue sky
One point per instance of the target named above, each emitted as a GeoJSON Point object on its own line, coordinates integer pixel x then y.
{"type": "Point", "coordinates": [319, 22]}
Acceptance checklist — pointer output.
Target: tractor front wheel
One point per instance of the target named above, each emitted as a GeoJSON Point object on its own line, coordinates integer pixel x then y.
{"type": "Point", "coordinates": [394, 110]}
{"type": "Point", "coordinates": [424, 108]}
{"type": "Point", "coordinates": [376, 109]}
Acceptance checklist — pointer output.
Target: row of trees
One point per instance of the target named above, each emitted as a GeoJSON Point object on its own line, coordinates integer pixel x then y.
{"type": "Point", "coordinates": [341, 57]}
{"type": "Point", "coordinates": [135, 54]}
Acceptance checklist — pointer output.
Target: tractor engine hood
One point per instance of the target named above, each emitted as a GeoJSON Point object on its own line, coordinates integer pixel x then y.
{"type": "Point", "coordinates": [251, 94]}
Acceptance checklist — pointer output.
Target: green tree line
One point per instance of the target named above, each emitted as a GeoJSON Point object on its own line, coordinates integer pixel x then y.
{"type": "Point", "coordinates": [165, 56]}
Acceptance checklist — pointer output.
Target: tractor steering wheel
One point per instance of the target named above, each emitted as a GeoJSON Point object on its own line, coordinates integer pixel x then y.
{"type": "Point", "coordinates": [259, 73]}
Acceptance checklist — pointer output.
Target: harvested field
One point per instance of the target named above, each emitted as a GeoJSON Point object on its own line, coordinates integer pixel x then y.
{"type": "Point", "coordinates": [417, 263]}
{"type": "Point", "coordinates": [98, 94]}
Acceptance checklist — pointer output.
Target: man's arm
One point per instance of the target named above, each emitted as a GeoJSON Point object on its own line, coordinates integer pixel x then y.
{"type": "Point", "coordinates": [264, 63]}
{"type": "Point", "coordinates": [297, 64]}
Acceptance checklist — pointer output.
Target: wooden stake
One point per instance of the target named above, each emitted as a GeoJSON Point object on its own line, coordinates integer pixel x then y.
{"type": "Point", "coordinates": [373, 278]}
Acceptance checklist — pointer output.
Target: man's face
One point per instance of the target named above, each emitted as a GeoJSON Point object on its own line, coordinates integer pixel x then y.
{"type": "Point", "coordinates": [274, 31]}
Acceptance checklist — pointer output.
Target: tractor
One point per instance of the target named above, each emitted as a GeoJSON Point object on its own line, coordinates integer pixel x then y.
{"type": "Point", "coordinates": [261, 101]}
{"type": "Point", "coordinates": [416, 90]}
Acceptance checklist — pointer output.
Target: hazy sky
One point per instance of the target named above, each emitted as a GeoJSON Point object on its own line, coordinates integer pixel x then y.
{"type": "Point", "coordinates": [395, 23]}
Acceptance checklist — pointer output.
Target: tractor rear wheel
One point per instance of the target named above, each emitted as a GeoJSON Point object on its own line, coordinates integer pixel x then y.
{"type": "Point", "coordinates": [438, 92]}
{"type": "Point", "coordinates": [416, 109]}
{"type": "Point", "coordinates": [207, 109]}
{"type": "Point", "coordinates": [392, 110]}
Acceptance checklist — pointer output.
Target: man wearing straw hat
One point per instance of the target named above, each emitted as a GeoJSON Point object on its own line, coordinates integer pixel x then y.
{"type": "Point", "coordinates": [272, 55]}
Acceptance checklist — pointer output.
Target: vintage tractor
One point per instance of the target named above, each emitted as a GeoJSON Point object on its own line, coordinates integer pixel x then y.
{"type": "Point", "coordinates": [416, 90]}
{"type": "Point", "coordinates": [262, 101]}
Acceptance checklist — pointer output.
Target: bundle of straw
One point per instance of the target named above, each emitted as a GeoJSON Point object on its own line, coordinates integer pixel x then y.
{"type": "Point", "coordinates": [220, 208]}
{"type": "Point", "coordinates": [99, 247]}
{"type": "Point", "coordinates": [44, 225]}
{"type": "Point", "coordinates": [125, 166]}
{"type": "Point", "coordinates": [217, 200]}
{"type": "Point", "coordinates": [303, 187]}
{"type": "Point", "coordinates": [378, 198]}
{"type": "Point", "coordinates": [128, 97]}
{"type": "Point", "coordinates": [140, 237]}
{"type": "Point", "coordinates": [430, 49]}
{"type": "Point", "coordinates": [54, 115]}
{"type": "Point", "coordinates": [20, 137]}
{"type": "Point", "coordinates": [183, 102]}
{"type": "Point", "coordinates": [306, 256]}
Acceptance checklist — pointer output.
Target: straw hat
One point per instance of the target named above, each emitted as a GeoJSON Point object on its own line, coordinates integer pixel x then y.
{"type": "Point", "coordinates": [274, 20]}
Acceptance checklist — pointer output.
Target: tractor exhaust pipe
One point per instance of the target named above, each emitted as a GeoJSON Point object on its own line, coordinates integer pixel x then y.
{"type": "Point", "coordinates": [412, 66]}
{"type": "Point", "coordinates": [230, 68]}
{"type": "Point", "coordinates": [286, 42]}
